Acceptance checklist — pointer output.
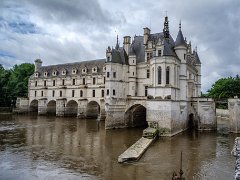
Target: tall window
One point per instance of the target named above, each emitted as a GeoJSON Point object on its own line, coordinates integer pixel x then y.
{"type": "Point", "coordinates": [108, 74]}
{"type": "Point", "coordinates": [114, 92]}
{"type": "Point", "coordinates": [167, 75]}
{"type": "Point", "coordinates": [104, 79]}
{"type": "Point", "coordinates": [148, 73]}
{"type": "Point", "coordinates": [54, 82]}
{"type": "Point", "coordinates": [60, 93]}
{"type": "Point", "coordinates": [73, 93]}
{"type": "Point", "coordinates": [102, 93]}
{"type": "Point", "coordinates": [108, 59]}
{"type": "Point", "coordinates": [149, 56]}
{"type": "Point", "coordinates": [107, 91]}
{"type": "Point", "coordinates": [45, 82]}
{"type": "Point", "coordinates": [93, 93]}
{"type": "Point", "coordinates": [81, 93]}
{"type": "Point", "coordinates": [53, 93]}
{"type": "Point", "coordinates": [114, 74]}
{"type": "Point", "coordinates": [159, 75]}
{"type": "Point", "coordinates": [35, 83]}
{"type": "Point", "coordinates": [83, 81]}
{"type": "Point", "coordinates": [73, 82]}
{"type": "Point", "coordinates": [35, 93]}
{"type": "Point", "coordinates": [42, 93]}
{"type": "Point", "coordinates": [94, 80]}
{"type": "Point", "coordinates": [159, 52]}
{"type": "Point", "coordinates": [146, 90]}
{"type": "Point", "coordinates": [63, 82]}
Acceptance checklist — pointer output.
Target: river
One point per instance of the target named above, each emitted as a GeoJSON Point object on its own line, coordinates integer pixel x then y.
{"type": "Point", "coordinates": [40, 147]}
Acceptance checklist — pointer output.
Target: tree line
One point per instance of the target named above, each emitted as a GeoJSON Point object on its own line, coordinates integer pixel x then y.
{"type": "Point", "coordinates": [14, 83]}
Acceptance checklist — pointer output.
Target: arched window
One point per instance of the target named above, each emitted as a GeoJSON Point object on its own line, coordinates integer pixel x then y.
{"type": "Point", "coordinates": [159, 75]}
{"type": "Point", "coordinates": [167, 75]}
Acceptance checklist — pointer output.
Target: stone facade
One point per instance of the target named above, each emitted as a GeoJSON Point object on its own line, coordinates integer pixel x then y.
{"type": "Point", "coordinates": [151, 79]}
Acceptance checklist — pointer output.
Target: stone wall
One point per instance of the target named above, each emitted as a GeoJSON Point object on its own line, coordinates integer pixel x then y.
{"type": "Point", "coordinates": [223, 121]}
{"type": "Point", "coordinates": [234, 115]}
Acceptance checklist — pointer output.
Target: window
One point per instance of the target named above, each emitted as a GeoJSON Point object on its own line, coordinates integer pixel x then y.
{"type": "Point", "coordinates": [54, 73]}
{"type": "Point", "coordinates": [148, 73]}
{"type": "Point", "coordinates": [94, 80]}
{"type": "Point", "coordinates": [133, 73]}
{"type": "Point", "coordinates": [81, 93]}
{"type": "Point", "coordinates": [35, 93]}
{"type": "Point", "coordinates": [45, 82]}
{"type": "Point", "coordinates": [108, 74]}
{"type": "Point", "coordinates": [64, 72]}
{"type": "Point", "coordinates": [102, 93]}
{"type": "Point", "coordinates": [104, 79]}
{"type": "Point", "coordinates": [54, 82]}
{"type": "Point", "coordinates": [73, 93]}
{"type": "Point", "coordinates": [149, 56]}
{"type": "Point", "coordinates": [159, 75]}
{"type": "Point", "coordinates": [114, 75]}
{"type": "Point", "coordinates": [93, 93]}
{"type": "Point", "coordinates": [73, 82]}
{"type": "Point", "coordinates": [146, 90]}
{"type": "Point", "coordinates": [114, 92]}
{"type": "Point", "coordinates": [42, 93]}
{"type": "Point", "coordinates": [108, 59]}
{"type": "Point", "coordinates": [107, 91]}
{"type": "Point", "coordinates": [53, 93]}
{"type": "Point", "coordinates": [74, 71]}
{"type": "Point", "coordinates": [60, 93]}
{"type": "Point", "coordinates": [45, 74]}
{"type": "Point", "coordinates": [63, 82]}
{"type": "Point", "coordinates": [167, 75]}
{"type": "Point", "coordinates": [184, 56]}
{"type": "Point", "coordinates": [83, 81]}
{"type": "Point", "coordinates": [159, 52]}
{"type": "Point", "coordinates": [35, 83]}
{"type": "Point", "coordinates": [133, 61]}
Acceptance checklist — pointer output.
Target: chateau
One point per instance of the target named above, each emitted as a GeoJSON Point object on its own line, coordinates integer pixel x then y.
{"type": "Point", "coordinates": [151, 80]}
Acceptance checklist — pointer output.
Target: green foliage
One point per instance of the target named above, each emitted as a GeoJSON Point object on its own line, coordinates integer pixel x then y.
{"type": "Point", "coordinates": [14, 83]}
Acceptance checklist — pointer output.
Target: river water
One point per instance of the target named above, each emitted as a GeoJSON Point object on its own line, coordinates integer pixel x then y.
{"type": "Point", "coordinates": [33, 147]}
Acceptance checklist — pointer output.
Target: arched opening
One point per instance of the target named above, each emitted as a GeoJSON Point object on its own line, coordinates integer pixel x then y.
{"type": "Point", "coordinates": [93, 109]}
{"type": "Point", "coordinates": [135, 116]}
{"type": "Point", "coordinates": [168, 75]}
{"type": "Point", "coordinates": [51, 108]}
{"type": "Point", "coordinates": [33, 106]}
{"type": "Point", "coordinates": [191, 124]}
{"type": "Point", "coordinates": [71, 108]}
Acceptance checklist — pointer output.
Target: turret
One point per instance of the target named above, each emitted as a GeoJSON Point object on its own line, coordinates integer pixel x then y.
{"type": "Point", "coordinates": [38, 64]}
{"type": "Point", "coordinates": [146, 35]}
{"type": "Point", "coordinates": [126, 43]}
{"type": "Point", "coordinates": [180, 45]}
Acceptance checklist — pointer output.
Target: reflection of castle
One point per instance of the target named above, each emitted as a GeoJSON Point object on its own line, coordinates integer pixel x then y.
{"type": "Point", "coordinates": [153, 78]}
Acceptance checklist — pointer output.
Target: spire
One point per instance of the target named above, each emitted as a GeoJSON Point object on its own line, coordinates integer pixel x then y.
{"type": "Point", "coordinates": [197, 60]}
{"type": "Point", "coordinates": [166, 29]}
{"type": "Point", "coordinates": [117, 45]}
{"type": "Point", "coordinates": [180, 39]}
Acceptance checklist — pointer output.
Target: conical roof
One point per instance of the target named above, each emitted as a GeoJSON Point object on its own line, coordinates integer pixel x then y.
{"type": "Point", "coordinates": [180, 40]}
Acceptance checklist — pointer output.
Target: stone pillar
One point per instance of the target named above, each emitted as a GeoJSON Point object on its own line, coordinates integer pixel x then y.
{"type": "Point", "coordinates": [82, 108]}
{"type": "Point", "coordinates": [60, 107]}
{"type": "Point", "coordinates": [42, 106]}
{"type": "Point", "coordinates": [102, 114]}
{"type": "Point", "coordinates": [234, 114]}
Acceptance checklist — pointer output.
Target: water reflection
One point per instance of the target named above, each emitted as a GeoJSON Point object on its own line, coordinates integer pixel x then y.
{"type": "Point", "coordinates": [69, 148]}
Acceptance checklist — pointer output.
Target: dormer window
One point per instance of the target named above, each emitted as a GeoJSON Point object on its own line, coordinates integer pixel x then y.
{"type": "Point", "coordinates": [159, 52]}
{"type": "Point", "coordinates": [94, 69]}
{"type": "Point", "coordinates": [84, 70]}
{"type": "Point", "coordinates": [45, 74]}
{"type": "Point", "coordinates": [54, 73]}
{"type": "Point", "coordinates": [36, 74]}
{"type": "Point", "coordinates": [104, 69]}
{"type": "Point", "coordinates": [64, 72]}
{"type": "Point", "coordinates": [108, 59]}
{"type": "Point", "coordinates": [74, 71]}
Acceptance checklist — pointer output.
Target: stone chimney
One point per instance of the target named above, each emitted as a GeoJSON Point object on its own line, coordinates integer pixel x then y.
{"type": "Point", "coordinates": [38, 64]}
{"type": "Point", "coordinates": [126, 43]}
{"type": "Point", "coordinates": [146, 35]}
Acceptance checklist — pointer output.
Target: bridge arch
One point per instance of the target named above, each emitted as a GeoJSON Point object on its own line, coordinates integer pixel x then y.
{"type": "Point", "coordinates": [71, 108]}
{"type": "Point", "coordinates": [51, 107]}
{"type": "Point", "coordinates": [136, 116]}
{"type": "Point", "coordinates": [93, 109]}
{"type": "Point", "coordinates": [33, 107]}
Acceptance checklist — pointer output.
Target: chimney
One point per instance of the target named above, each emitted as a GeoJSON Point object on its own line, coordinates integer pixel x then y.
{"type": "Point", "coordinates": [126, 43]}
{"type": "Point", "coordinates": [146, 35]}
{"type": "Point", "coordinates": [38, 64]}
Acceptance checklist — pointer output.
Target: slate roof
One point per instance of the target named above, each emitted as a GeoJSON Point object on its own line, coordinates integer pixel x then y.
{"type": "Point", "coordinates": [180, 40]}
{"type": "Point", "coordinates": [70, 66]}
{"type": "Point", "coordinates": [119, 55]}
{"type": "Point", "coordinates": [197, 60]}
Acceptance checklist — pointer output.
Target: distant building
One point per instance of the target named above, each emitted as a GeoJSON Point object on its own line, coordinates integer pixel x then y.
{"type": "Point", "coordinates": [151, 79]}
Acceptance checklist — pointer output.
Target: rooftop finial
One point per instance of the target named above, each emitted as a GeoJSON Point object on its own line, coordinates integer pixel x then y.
{"type": "Point", "coordinates": [166, 29]}
{"type": "Point", "coordinates": [117, 45]}
{"type": "Point", "coordinates": [180, 25]}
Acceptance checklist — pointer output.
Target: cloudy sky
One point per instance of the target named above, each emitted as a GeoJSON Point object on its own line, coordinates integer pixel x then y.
{"type": "Point", "coordinates": [59, 31]}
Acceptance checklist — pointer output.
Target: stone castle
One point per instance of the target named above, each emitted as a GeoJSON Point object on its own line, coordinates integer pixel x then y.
{"type": "Point", "coordinates": [151, 80]}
